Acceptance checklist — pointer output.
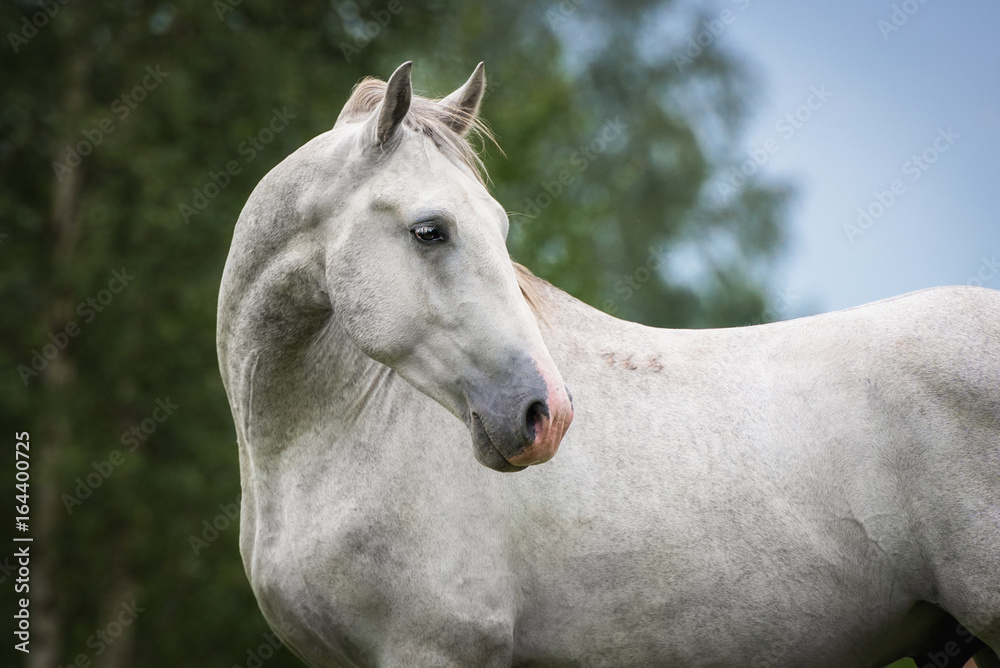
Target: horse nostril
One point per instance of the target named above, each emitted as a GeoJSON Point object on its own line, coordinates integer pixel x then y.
{"type": "Point", "coordinates": [533, 418]}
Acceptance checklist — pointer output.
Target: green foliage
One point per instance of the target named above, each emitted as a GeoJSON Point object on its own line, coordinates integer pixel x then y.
{"type": "Point", "coordinates": [903, 663]}
{"type": "Point", "coordinates": [558, 79]}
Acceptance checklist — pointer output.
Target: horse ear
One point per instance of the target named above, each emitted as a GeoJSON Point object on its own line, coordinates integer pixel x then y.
{"type": "Point", "coordinates": [464, 102]}
{"type": "Point", "coordinates": [394, 106]}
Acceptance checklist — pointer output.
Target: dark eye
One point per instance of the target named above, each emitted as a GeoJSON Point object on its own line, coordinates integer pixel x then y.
{"type": "Point", "coordinates": [427, 232]}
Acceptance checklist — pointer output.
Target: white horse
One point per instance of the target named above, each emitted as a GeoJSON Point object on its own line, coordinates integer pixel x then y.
{"type": "Point", "coordinates": [823, 492]}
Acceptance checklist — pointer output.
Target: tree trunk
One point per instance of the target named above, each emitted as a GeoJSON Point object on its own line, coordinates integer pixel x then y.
{"type": "Point", "coordinates": [57, 379]}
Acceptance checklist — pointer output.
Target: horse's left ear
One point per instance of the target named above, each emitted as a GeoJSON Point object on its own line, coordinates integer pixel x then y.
{"type": "Point", "coordinates": [464, 102]}
{"type": "Point", "coordinates": [395, 104]}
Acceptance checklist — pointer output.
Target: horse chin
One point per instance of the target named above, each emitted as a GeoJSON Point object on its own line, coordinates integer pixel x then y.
{"type": "Point", "coordinates": [486, 453]}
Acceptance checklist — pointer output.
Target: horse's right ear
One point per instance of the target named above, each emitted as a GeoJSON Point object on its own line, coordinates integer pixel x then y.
{"type": "Point", "coordinates": [464, 102]}
{"type": "Point", "coordinates": [392, 109]}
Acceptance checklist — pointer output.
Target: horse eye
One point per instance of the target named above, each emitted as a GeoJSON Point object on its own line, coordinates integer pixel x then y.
{"type": "Point", "coordinates": [427, 233]}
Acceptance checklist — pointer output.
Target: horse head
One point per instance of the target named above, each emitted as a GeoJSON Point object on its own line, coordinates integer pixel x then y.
{"type": "Point", "coordinates": [419, 274]}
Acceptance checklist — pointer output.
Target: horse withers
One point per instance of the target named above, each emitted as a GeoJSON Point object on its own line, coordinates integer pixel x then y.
{"type": "Point", "coordinates": [818, 492]}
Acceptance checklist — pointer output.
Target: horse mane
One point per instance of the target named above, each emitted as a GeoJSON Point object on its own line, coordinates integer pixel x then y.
{"type": "Point", "coordinates": [429, 118]}
{"type": "Point", "coordinates": [532, 288]}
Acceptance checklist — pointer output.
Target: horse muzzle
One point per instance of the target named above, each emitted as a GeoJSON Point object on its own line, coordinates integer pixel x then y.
{"type": "Point", "coordinates": [521, 420]}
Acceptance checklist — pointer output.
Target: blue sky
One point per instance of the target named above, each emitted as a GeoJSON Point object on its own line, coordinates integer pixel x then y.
{"type": "Point", "coordinates": [892, 95]}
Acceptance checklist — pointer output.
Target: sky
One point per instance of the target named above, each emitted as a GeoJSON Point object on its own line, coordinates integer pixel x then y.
{"type": "Point", "coordinates": [904, 124]}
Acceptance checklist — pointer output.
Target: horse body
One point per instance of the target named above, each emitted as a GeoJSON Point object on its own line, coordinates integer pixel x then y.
{"type": "Point", "coordinates": [777, 495]}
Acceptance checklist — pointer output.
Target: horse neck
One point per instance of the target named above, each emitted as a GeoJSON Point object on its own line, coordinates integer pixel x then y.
{"type": "Point", "coordinates": [288, 365]}
{"type": "Point", "coordinates": [322, 386]}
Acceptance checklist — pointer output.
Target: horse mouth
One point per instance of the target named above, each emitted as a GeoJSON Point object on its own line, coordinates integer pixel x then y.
{"type": "Point", "coordinates": [486, 450]}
